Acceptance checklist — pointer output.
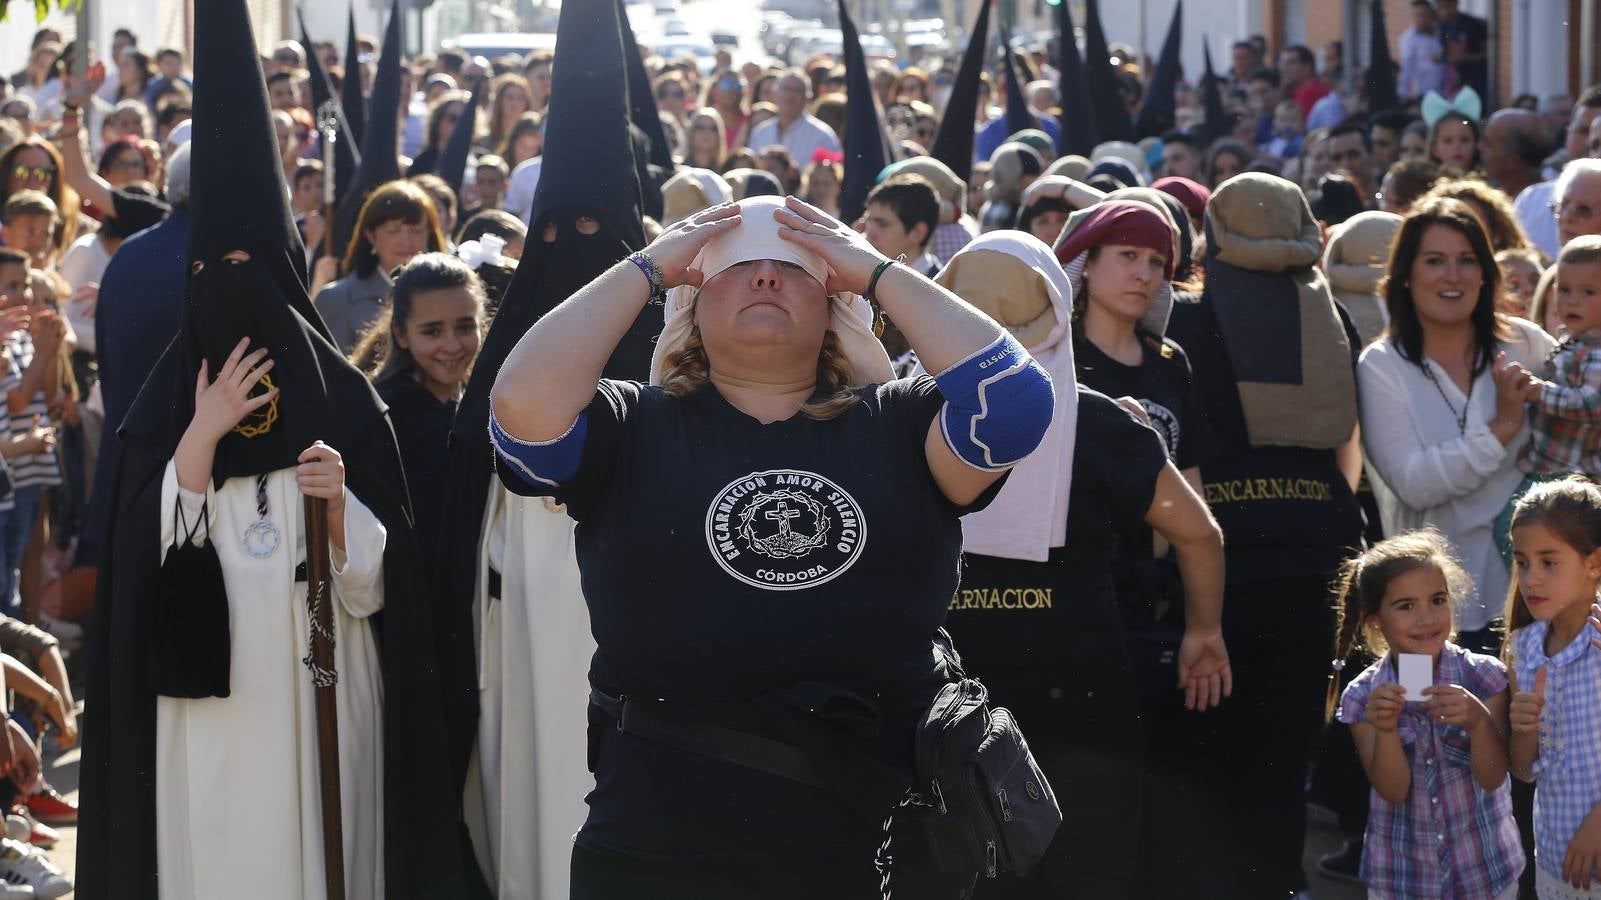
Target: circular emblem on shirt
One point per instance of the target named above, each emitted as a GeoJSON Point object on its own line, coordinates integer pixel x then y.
{"type": "Point", "coordinates": [785, 529]}
{"type": "Point", "coordinates": [1166, 425]}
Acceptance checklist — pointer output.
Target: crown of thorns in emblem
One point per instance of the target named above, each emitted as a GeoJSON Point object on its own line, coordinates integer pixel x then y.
{"type": "Point", "coordinates": [259, 422]}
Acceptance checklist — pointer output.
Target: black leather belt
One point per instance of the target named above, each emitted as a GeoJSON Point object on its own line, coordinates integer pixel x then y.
{"type": "Point", "coordinates": [666, 724]}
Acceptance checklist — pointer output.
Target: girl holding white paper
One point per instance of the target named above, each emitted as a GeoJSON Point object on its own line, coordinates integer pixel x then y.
{"type": "Point", "coordinates": [1440, 821]}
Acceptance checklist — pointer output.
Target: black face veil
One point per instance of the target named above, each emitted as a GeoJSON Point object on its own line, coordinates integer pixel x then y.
{"type": "Point", "coordinates": [585, 218]}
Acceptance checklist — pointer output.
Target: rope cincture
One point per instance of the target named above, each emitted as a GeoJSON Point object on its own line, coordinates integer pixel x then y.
{"type": "Point", "coordinates": [884, 859]}
{"type": "Point", "coordinates": [320, 677]}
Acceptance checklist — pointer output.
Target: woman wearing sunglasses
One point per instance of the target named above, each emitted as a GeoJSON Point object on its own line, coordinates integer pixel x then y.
{"type": "Point", "coordinates": [35, 165]}
{"type": "Point", "coordinates": [726, 94]}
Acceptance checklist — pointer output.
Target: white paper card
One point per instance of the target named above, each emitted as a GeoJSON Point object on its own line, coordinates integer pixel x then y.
{"type": "Point", "coordinates": [1417, 673]}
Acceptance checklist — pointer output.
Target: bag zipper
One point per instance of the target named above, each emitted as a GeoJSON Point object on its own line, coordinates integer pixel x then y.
{"type": "Point", "coordinates": [989, 859]}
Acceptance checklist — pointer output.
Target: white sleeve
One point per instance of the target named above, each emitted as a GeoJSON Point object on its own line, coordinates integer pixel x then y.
{"type": "Point", "coordinates": [358, 571]}
{"type": "Point", "coordinates": [176, 503]}
{"type": "Point", "coordinates": [1421, 477]}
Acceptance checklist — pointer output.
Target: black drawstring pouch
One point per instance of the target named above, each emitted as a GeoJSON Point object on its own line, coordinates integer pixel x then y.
{"type": "Point", "coordinates": [190, 645]}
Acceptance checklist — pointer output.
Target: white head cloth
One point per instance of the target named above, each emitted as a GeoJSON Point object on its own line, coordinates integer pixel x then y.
{"type": "Point", "coordinates": [757, 237]}
{"type": "Point", "coordinates": [1029, 516]}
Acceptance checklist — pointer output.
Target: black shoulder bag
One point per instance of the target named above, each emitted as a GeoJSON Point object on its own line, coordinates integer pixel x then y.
{"type": "Point", "coordinates": [190, 644]}
{"type": "Point", "coordinates": [984, 802]}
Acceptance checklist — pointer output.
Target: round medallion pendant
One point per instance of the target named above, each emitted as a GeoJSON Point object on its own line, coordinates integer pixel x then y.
{"type": "Point", "coordinates": [262, 539]}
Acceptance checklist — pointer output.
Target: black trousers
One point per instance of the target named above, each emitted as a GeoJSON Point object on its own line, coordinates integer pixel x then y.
{"type": "Point", "coordinates": [1095, 772]}
{"type": "Point", "coordinates": [599, 874]}
{"type": "Point", "coordinates": [1280, 636]}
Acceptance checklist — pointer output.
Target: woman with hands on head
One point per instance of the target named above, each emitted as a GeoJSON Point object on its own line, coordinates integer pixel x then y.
{"type": "Point", "coordinates": [793, 512]}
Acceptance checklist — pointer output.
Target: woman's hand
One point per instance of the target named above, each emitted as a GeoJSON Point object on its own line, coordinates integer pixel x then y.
{"type": "Point", "coordinates": [847, 253]}
{"type": "Point", "coordinates": [221, 404]}
{"type": "Point", "coordinates": [1511, 381]}
{"type": "Point", "coordinates": [1453, 704]}
{"type": "Point", "coordinates": [1384, 706]}
{"type": "Point", "coordinates": [675, 250]}
{"type": "Point", "coordinates": [1204, 671]}
{"type": "Point", "coordinates": [850, 258]}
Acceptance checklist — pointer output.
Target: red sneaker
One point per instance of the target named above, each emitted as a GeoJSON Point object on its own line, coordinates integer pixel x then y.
{"type": "Point", "coordinates": [51, 808]}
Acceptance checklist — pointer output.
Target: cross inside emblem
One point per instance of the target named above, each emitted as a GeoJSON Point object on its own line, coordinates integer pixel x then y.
{"type": "Point", "coordinates": [782, 514]}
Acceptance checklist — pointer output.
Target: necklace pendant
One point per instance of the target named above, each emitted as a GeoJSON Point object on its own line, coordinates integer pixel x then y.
{"type": "Point", "coordinates": [261, 539]}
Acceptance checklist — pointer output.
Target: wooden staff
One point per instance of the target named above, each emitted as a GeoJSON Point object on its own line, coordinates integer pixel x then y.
{"type": "Point", "coordinates": [324, 677]}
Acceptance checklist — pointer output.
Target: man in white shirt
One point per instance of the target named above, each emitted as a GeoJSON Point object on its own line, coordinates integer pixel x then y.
{"type": "Point", "coordinates": [796, 130]}
{"type": "Point", "coordinates": [1422, 57]}
{"type": "Point", "coordinates": [1535, 204]}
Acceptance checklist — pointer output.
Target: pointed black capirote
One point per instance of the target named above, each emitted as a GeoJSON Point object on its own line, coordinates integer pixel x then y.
{"type": "Point", "coordinates": [342, 166]}
{"type": "Point", "coordinates": [380, 146]}
{"type": "Point", "coordinates": [239, 203]}
{"type": "Point", "coordinates": [866, 151]}
{"type": "Point", "coordinates": [452, 165]}
{"type": "Point", "coordinates": [1157, 112]}
{"type": "Point", "coordinates": [1111, 116]}
{"type": "Point", "coordinates": [1381, 67]}
{"type": "Point", "coordinates": [351, 97]}
{"type": "Point", "coordinates": [1079, 133]}
{"type": "Point", "coordinates": [1212, 96]}
{"type": "Point", "coordinates": [641, 98]}
{"type": "Point", "coordinates": [1018, 118]}
{"type": "Point", "coordinates": [953, 143]}
{"type": "Point", "coordinates": [588, 170]}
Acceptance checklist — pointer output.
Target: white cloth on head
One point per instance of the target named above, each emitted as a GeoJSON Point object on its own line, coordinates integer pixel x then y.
{"type": "Point", "coordinates": [850, 317]}
{"type": "Point", "coordinates": [1029, 516]}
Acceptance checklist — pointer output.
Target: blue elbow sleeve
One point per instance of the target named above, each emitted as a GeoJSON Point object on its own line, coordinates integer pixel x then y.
{"type": "Point", "coordinates": [998, 405]}
{"type": "Point", "coordinates": [544, 465]}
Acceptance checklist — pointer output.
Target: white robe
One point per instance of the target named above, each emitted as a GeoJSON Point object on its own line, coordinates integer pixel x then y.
{"type": "Point", "coordinates": [534, 651]}
{"type": "Point", "coordinates": [238, 809]}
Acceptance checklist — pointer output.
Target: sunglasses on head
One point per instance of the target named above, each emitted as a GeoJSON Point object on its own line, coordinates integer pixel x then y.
{"type": "Point", "coordinates": [40, 173]}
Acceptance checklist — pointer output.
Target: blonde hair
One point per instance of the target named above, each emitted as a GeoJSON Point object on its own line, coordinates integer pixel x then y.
{"type": "Point", "coordinates": [688, 370]}
{"type": "Point", "coordinates": [1490, 205]}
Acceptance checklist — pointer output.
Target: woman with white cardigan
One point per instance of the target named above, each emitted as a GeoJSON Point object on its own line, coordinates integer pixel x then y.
{"type": "Point", "coordinates": [1442, 412]}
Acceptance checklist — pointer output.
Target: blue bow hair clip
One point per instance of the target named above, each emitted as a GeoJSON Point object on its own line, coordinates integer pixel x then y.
{"type": "Point", "coordinates": [1466, 104]}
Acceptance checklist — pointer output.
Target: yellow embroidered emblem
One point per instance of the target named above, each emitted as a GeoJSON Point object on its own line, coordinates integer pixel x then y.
{"type": "Point", "coordinates": [261, 421]}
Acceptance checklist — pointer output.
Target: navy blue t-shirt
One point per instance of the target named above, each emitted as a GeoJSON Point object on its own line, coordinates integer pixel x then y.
{"type": "Point", "coordinates": [724, 559]}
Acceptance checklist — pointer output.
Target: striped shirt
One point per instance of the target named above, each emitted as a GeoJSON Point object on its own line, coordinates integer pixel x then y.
{"type": "Point", "coordinates": [1566, 419]}
{"type": "Point", "coordinates": [9, 381]}
{"type": "Point", "coordinates": [1568, 771]}
{"type": "Point", "coordinates": [1451, 839]}
{"type": "Point", "coordinates": [33, 468]}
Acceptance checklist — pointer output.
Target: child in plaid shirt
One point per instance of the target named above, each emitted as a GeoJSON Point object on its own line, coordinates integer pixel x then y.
{"type": "Point", "coordinates": [1440, 822]}
{"type": "Point", "coordinates": [1555, 713]}
{"type": "Point", "coordinates": [1565, 399]}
